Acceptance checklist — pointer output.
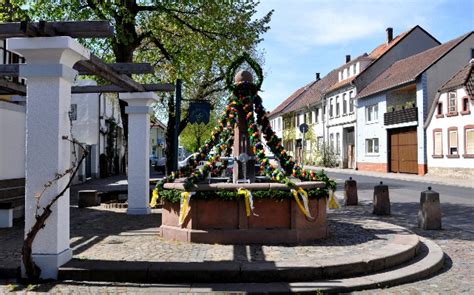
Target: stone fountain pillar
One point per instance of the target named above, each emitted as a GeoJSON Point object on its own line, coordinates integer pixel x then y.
{"type": "Point", "coordinates": [244, 165]}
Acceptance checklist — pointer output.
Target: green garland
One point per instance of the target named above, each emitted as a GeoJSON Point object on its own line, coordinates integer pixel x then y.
{"type": "Point", "coordinates": [174, 196]}
{"type": "Point", "coordinates": [244, 97]}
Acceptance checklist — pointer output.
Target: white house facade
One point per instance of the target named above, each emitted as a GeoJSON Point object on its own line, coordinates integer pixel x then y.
{"type": "Point", "coordinates": [392, 110]}
{"type": "Point", "coordinates": [450, 127]}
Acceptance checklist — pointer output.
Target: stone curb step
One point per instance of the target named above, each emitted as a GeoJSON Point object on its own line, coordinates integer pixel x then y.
{"type": "Point", "coordinates": [428, 263]}
{"type": "Point", "coordinates": [402, 248]}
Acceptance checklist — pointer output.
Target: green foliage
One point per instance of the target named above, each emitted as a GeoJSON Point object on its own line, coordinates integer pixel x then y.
{"type": "Point", "coordinates": [190, 40]}
{"type": "Point", "coordinates": [325, 155]}
{"type": "Point", "coordinates": [194, 135]}
{"type": "Point", "coordinates": [12, 10]}
{"type": "Point", "coordinates": [174, 196]}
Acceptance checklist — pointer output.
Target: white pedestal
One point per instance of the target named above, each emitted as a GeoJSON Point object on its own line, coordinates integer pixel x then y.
{"type": "Point", "coordinates": [138, 111]}
{"type": "Point", "coordinates": [49, 76]}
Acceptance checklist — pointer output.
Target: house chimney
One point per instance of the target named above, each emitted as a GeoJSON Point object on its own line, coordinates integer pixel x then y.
{"type": "Point", "coordinates": [348, 58]}
{"type": "Point", "coordinates": [318, 77]}
{"type": "Point", "coordinates": [389, 35]}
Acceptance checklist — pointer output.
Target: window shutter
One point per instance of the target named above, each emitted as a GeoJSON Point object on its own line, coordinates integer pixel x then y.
{"type": "Point", "coordinates": [438, 144]}
{"type": "Point", "coordinates": [470, 141]}
{"type": "Point", "coordinates": [453, 139]}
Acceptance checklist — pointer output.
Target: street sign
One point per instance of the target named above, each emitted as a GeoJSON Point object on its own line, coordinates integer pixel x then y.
{"type": "Point", "coordinates": [304, 128]}
{"type": "Point", "coordinates": [199, 112]}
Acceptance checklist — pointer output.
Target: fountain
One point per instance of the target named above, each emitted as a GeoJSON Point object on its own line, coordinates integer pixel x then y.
{"type": "Point", "coordinates": [286, 205]}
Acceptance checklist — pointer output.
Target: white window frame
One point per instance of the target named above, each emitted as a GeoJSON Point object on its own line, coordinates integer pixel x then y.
{"type": "Point", "coordinates": [438, 153]}
{"type": "Point", "coordinates": [452, 102]}
{"type": "Point", "coordinates": [338, 109]}
{"type": "Point", "coordinates": [371, 113]}
{"type": "Point", "coordinates": [344, 104]}
{"type": "Point", "coordinates": [375, 148]}
{"type": "Point", "coordinates": [338, 144]}
{"type": "Point", "coordinates": [466, 131]}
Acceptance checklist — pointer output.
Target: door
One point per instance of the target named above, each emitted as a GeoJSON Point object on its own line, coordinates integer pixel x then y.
{"type": "Point", "coordinates": [404, 150]}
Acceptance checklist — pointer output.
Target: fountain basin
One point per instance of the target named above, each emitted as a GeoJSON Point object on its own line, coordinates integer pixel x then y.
{"type": "Point", "coordinates": [225, 221]}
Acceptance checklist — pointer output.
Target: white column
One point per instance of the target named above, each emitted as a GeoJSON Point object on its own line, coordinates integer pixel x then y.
{"type": "Point", "coordinates": [138, 111]}
{"type": "Point", "coordinates": [49, 76]}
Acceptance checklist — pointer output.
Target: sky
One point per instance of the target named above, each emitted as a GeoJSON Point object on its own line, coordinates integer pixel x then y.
{"type": "Point", "coordinates": [315, 36]}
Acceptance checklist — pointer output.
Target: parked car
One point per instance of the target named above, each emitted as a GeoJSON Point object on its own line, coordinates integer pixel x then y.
{"type": "Point", "coordinates": [160, 164]}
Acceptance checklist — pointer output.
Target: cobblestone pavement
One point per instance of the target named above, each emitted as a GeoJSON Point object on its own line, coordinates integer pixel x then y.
{"type": "Point", "coordinates": [111, 234]}
{"type": "Point", "coordinates": [99, 234]}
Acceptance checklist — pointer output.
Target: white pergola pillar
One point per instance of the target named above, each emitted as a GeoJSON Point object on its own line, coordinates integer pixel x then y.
{"type": "Point", "coordinates": [138, 111]}
{"type": "Point", "coordinates": [49, 77]}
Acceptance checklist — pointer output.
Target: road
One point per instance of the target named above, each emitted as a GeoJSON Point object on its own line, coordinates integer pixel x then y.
{"type": "Point", "coordinates": [457, 203]}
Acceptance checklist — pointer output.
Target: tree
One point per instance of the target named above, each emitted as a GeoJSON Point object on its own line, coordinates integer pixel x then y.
{"type": "Point", "coordinates": [194, 135]}
{"type": "Point", "coordinates": [187, 39]}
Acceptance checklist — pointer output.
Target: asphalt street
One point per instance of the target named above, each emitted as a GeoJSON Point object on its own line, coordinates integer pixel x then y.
{"type": "Point", "coordinates": [457, 203]}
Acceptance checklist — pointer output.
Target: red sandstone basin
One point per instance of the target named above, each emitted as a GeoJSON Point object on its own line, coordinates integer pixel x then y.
{"type": "Point", "coordinates": [226, 222]}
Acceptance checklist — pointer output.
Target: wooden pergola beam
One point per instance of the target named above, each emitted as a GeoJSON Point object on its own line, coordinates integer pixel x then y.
{"type": "Point", "coordinates": [162, 87]}
{"type": "Point", "coordinates": [12, 70]}
{"type": "Point", "coordinates": [121, 68]}
{"type": "Point", "coordinates": [96, 66]}
{"type": "Point", "coordinates": [74, 29]}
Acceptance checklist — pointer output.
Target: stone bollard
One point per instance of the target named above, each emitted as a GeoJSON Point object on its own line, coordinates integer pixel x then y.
{"type": "Point", "coordinates": [88, 198]}
{"type": "Point", "coordinates": [381, 200]}
{"type": "Point", "coordinates": [6, 215]}
{"type": "Point", "coordinates": [429, 216]}
{"type": "Point", "coordinates": [350, 192]}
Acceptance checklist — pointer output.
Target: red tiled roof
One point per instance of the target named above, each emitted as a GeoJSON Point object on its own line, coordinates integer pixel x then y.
{"type": "Point", "coordinates": [461, 78]}
{"type": "Point", "coordinates": [382, 48]}
{"type": "Point", "coordinates": [315, 92]}
{"type": "Point", "coordinates": [408, 69]}
{"type": "Point", "coordinates": [470, 83]}
{"type": "Point", "coordinates": [288, 101]}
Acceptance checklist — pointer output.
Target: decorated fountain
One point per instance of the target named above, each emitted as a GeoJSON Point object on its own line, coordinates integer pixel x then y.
{"type": "Point", "coordinates": [285, 204]}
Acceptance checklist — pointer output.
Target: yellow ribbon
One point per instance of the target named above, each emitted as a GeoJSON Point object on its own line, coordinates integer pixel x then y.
{"type": "Point", "coordinates": [184, 206]}
{"type": "Point", "coordinates": [154, 198]}
{"type": "Point", "coordinates": [333, 204]}
{"type": "Point", "coordinates": [248, 200]}
{"type": "Point", "coordinates": [304, 196]}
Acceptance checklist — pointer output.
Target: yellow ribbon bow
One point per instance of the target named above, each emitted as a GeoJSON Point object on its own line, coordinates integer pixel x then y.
{"type": "Point", "coordinates": [184, 206]}
{"type": "Point", "coordinates": [154, 198]}
{"type": "Point", "coordinates": [333, 204]}
{"type": "Point", "coordinates": [248, 200]}
{"type": "Point", "coordinates": [304, 207]}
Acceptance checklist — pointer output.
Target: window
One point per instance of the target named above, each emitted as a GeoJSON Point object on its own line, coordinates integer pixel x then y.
{"type": "Point", "coordinates": [330, 108]}
{"type": "Point", "coordinates": [452, 109]}
{"type": "Point", "coordinates": [372, 146]}
{"type": "Point", "coordinates": [472, 53]}
{"type": "Point", "coordinates": [465, 106]}
{"type": "Point", "coordinates": [338, 146]}
{"type": "Point", "coordinates": [439, 112]}
{"type": "Point", "coordinates": [453, 142]}
{"type": "Point", "coordinates": [337, 106]}
{"type": "Point", "coordinates": [437, 143]}
{"type": "Point", "coordinates": [469, 141]}
{"type": "Point", "coordinates": [316, 115]}
{"type": "Point", "coordinates": [371, 113]}
{"type": "Point", "coordinates": [279, 123]}
{"type": "Point", "coordinates": [319, 141]}
{"type": "Point", "coordinates": [344, 104]}
{"type": "Point", "coordinates": [351, 102]}
{"type": "Point", "coordinates": [331, 140]}
{"type": "Point", "coordinates": [297, 120]}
